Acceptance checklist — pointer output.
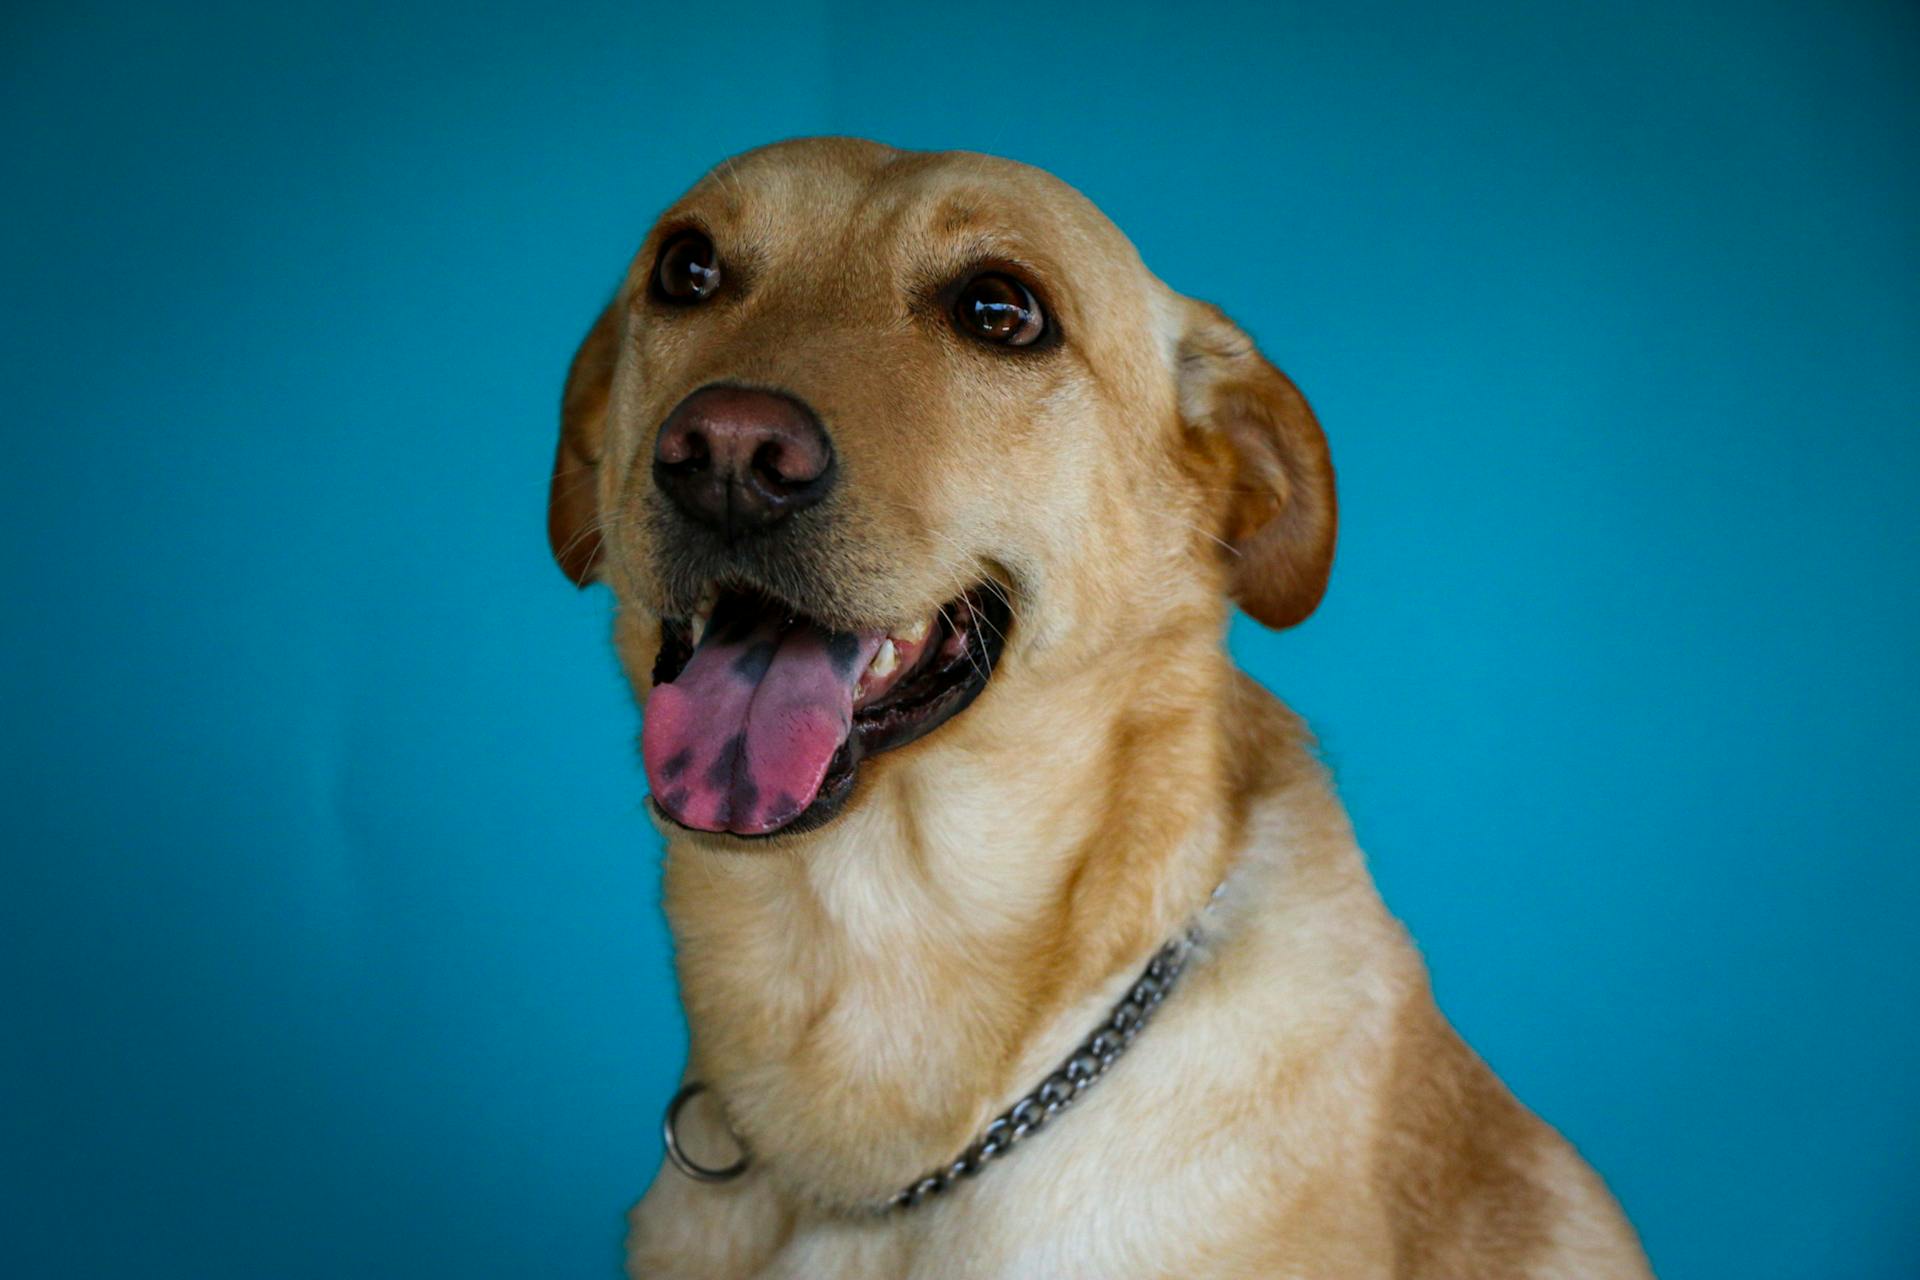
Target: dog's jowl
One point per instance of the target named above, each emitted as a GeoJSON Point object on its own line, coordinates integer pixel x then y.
{"type": "Point", "coordinates": [1020, 936]}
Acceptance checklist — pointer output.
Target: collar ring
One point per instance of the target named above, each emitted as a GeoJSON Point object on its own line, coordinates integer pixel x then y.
{"type": "Point", "coordinates": [670, 1130]}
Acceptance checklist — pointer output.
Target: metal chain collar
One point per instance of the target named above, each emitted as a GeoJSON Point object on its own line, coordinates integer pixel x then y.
{"type": "Point", "coordinates": [1080, 1072]}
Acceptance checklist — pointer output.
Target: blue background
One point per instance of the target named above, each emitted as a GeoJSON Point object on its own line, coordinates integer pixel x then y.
{"type": "Point", "coordinates": [329, 914]}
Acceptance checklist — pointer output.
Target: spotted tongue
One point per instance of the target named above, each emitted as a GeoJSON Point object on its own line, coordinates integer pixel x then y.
{"type": "Point", "coordinates": [741, 740]}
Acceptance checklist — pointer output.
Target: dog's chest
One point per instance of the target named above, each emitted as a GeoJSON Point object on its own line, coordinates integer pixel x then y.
{"type": "Point", "coordinates": [1122, 1189]}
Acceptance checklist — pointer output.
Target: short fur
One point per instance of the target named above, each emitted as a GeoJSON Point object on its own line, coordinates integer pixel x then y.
{"type": "Point", "coordinates": [862, 998]}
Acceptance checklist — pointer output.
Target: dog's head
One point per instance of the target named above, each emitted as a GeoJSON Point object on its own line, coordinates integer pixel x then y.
{"type": "Point", "coordinates": [865, 429]}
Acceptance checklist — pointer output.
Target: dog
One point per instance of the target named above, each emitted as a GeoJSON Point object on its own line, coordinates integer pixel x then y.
{"type": "Point", "coordinates": [1019, 934]}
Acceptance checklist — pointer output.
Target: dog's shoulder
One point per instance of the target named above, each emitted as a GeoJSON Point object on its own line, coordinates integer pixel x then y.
{"type": "Point", "coordinates": [1474, 1182]}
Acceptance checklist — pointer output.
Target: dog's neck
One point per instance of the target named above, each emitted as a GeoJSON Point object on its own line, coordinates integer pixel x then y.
{"type": "Point", "coordinates": [863, 1003]}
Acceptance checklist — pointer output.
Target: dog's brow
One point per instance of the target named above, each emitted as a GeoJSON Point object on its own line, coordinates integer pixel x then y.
{"type": "Point", "coordinates": [979, 213]}
{"type": "Point", "coordinates": [1004, 247]}
{"type": "Point", "coordinates": [957, 214]}
{"type": "Point", "coordinates": [710, 209]}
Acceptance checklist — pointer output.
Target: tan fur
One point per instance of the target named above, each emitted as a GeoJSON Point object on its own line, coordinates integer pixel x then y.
{"type": "Point", "coordinates": [863, 998]}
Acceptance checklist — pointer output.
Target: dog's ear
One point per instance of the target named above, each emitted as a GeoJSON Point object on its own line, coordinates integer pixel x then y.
{"type": "Point", "coordinates": [573, 505]}
{"type": "Point", "coordinates": [1262, 452]}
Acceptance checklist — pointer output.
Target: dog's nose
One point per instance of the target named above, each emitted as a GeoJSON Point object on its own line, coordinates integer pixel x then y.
{"type": "Point", "coordinates": [739, 460]}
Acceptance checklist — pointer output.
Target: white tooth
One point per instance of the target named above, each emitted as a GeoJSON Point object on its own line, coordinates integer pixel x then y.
{"type": "Point", "coordinates": [703, 613]}
{"type": "Point", "coordinates": [885, 659]}
{"type": "Point", "coordinates": [915, 633]}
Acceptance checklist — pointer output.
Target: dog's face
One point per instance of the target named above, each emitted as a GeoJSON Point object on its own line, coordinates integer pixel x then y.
{"type": "Point", "coordinates": [864, 430]}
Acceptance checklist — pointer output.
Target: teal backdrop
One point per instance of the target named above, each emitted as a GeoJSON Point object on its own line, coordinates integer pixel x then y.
{"type": "Point", "coordinates": [329, 913]}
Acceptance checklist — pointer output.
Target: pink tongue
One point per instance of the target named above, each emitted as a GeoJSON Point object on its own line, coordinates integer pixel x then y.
{"type": "Point", "coordinates": [741, 740]}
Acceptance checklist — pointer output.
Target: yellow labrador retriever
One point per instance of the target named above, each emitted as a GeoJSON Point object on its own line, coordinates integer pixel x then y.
{"type": "Point", "coordinates": [1020, 936]}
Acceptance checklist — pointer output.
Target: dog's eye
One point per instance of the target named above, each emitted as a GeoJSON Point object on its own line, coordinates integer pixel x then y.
{"type": "Point", "coordinates": [999, 309]}
{"type": "Point", "coordinates": [688, 270]}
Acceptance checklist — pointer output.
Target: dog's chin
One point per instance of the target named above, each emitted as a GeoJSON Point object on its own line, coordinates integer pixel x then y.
{"type": "Point", "coordinates": [761, 718]}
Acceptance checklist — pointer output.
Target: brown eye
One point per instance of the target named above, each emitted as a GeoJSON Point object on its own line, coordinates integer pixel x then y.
{"type": "Point", "coordinates": [688, 270]}
{"type": "Point", "coordinates": [999, 309]}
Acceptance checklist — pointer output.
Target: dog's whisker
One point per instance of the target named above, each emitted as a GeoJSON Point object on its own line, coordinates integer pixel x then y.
{"type": "Point", "coordinates": [964, 564]}
{"type": "Point", "coordinates": [591, 529]}
{"type": "Point", "coordinates": [1208, 535]}
{"type": "Point", "coordinates": [972, 659]}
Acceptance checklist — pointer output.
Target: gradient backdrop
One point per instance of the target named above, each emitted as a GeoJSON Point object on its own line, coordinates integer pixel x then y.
{"type": "Point", "coordinates": [328, 917]}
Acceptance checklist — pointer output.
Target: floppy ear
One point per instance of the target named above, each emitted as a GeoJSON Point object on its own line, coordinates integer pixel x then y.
{"type": "Point", "coordinates": [573, 507]}
{"type": "Point", "coordinates": [1263, 447]}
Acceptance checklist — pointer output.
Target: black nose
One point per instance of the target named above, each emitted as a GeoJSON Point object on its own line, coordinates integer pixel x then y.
{"type": "Point", "coordinates": [739, 461]}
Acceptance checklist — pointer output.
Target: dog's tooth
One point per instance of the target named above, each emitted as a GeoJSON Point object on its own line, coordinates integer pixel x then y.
{"type": "Point", "coordinates": [885, 659]}
{"type": "Point", "coordinates": [703, 613]}
{"type": "Point", "coordinates": [915, 633]}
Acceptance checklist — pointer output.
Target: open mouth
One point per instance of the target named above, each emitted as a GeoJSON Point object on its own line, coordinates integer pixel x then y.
{"type": "Point", "coordinates": [760, 716]}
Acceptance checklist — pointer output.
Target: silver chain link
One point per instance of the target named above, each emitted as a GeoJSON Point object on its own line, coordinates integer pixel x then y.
{"type": "Point", "coordinates": [1080, 1072]}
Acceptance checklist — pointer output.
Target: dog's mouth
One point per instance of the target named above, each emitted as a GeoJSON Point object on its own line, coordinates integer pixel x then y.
{"type": "Point", "coordinates": [760, 715]}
